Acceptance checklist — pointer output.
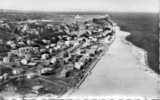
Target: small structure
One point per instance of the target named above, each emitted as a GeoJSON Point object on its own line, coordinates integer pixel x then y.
{"type": "Point", "coordinates": [24, 61]}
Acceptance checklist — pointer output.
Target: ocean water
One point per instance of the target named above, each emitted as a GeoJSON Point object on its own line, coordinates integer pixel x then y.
{"type": "Point", "coordinates": [144, 33]}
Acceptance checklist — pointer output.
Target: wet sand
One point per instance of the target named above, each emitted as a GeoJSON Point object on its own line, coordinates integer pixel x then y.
{"type": "Point", "coordinates": [121, 72]}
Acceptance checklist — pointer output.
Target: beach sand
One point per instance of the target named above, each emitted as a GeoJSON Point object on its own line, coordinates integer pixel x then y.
{"type": "Point", "coordinates": [122, 71]}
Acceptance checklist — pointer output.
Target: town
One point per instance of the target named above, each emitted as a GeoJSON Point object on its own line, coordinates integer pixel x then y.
{"type": "Point", "coordinates": [44, 56]}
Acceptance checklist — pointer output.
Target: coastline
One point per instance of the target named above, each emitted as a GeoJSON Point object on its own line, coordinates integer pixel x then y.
{"type": "Point", "coordinates": [141, 56]}
{"type": "Point", "coordinates": [137, 52]}
{"type": "Point", "coordinates": [131, 78]}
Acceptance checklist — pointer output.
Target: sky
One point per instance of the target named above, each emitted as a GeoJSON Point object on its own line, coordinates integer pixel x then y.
{"type": "Point", "coordinates": [82, 5]}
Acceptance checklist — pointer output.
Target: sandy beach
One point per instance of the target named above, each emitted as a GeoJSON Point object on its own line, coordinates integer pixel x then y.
{"type": "Point", "coordinates": [122, 71]}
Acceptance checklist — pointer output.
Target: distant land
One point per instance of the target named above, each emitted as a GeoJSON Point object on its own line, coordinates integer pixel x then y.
{"type": "Point", "coordinates": [143, 27]}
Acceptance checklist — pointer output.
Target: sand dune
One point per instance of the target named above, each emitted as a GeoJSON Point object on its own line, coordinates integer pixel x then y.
{"type": "Point", "coordinates": [121, 72]}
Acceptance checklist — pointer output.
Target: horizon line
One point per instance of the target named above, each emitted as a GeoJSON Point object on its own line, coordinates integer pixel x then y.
{"type": "Point", "coordinates": [67, 11]}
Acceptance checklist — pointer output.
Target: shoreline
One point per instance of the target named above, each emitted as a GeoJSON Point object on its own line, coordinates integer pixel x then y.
{"type": "Point", "coordinates": [131, 79]}
{"type": "Point", "coordinates": [139, 53]}
{"type": "Point", "coordinates": [141, 56]}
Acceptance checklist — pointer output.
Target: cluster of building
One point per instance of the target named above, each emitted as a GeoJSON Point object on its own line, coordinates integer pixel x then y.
{"type": "Point", "coordinates": [49, 49]}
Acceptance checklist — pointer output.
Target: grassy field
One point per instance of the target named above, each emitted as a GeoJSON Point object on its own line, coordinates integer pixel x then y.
{"type": "Point", "coordinates": [143, 28]}
{"type": "Point", "coordinates": [144, 33]}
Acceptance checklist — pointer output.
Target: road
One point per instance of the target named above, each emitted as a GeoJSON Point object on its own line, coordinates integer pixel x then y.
{"type": "Point", "coordinates": [119, 73]}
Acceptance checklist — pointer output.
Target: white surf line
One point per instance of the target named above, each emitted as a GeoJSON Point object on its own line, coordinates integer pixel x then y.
{"type": "Point", "coordinates": [103, 81]}
{"type": "Point", "coordinates": [142, 60]}
{"type": "Point", "coordinates": [141, 56]}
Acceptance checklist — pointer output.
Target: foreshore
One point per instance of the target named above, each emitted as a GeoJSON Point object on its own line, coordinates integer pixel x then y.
{"type": "Point", "coordinates": [121, 72]}
{"type": "Point", "coordinates": [141, 56]}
